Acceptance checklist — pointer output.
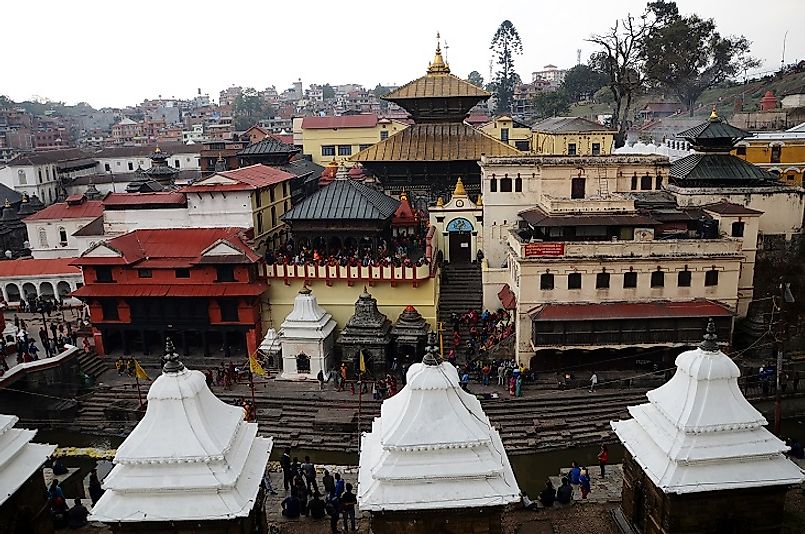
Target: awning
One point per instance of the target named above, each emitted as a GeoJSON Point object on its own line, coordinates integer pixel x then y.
{"type": "Point", "coordinates": [634, 310]}
{"type": "Point", "coordinates": [169, 290]}
{"type": "Point", "coordinates": [507, 297]}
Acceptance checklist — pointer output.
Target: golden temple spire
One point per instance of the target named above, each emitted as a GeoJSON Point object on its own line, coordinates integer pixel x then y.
{"type": "Point", "coordinates": [438, 65]}
{"type": "Point", "coordinates": [439, 202]}
{"type": "Point", "coordinates": [480, 201]}
{"type": "Point", "coordinates": [460, 191]}
{"type": "Point", "coordinates": [713, 114]}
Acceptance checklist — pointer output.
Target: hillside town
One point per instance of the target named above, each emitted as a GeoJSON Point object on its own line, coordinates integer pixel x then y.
{"type": "Point", "coordinates": [558, 299]}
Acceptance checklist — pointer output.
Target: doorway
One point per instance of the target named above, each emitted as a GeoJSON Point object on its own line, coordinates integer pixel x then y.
{"type": "Point", "coordinates": [460, 250]}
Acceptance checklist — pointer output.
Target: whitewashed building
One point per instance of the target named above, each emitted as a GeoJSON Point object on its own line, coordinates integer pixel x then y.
{"type": "Point", "coordinates": [307, 337]}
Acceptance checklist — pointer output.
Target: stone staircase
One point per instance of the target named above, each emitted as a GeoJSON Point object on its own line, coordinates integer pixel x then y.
{"type": "Point", "coordinates": [460, 291]}
{"type": "Point", "coordinates": [93, 365]}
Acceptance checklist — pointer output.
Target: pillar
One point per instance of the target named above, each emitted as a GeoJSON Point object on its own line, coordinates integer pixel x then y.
{"type": "Point", "coordinates": [251, 341]}
{"type": "Point", "coordinates": [205, 346]}
{"type": "Point", "coordinates": [97, 338]}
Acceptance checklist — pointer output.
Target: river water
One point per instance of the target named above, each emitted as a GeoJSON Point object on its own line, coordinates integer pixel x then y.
{"type": "Point", "coordinates": [531, 470]}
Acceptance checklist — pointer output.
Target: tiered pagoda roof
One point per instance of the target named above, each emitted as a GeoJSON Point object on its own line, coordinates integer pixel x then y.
{"type": "Point", "coordinates": [433, 448]}
{"type": "Point", "coordinates": [344, 199]}
{"type": "Point", "coordinates": [307, 320]}
{"type": "Point", "coordinates": [410, 328]}
{"type": "Point", "coordinates": [698, 433]}
{"type": "Point", "coordinates": [19, 458]}
{"type": "Point", "coordinates": [367, 326]}
{"type": "Point", "coordinates": [191, 458]}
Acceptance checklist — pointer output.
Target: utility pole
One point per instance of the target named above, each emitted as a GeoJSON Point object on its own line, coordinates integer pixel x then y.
{"type": "Point", "coordinates": [786, 297]}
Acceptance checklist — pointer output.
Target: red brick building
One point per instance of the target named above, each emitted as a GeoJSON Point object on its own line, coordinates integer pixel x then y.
{"type": "Point", "coordinates": [199, 286]}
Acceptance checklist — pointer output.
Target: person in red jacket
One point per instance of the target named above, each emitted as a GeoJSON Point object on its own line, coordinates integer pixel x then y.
{"type": "Point", "coordinates": [603, 458]}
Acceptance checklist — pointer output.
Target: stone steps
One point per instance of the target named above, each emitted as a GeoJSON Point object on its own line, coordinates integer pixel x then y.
{"type": "Point", "coordinates": [92, 364]}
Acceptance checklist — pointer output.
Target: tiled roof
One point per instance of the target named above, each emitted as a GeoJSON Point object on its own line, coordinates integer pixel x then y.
{"type": "Point", "coordinates": [717, 168]}
{"type": "Point", "coordinates": [368, 120]}
{"type": "Point", "coordinates": [183, 246]}
{"type": "Point", "coordinates": [269, 145]}
{"type": "Point", "coordinates": [247, 178]}
{"type": "Point", "coordinates": [171, 290]}
{"type": "Point", "coordinates": [49, 156]}
{"type": "Point", "coordinates": [728, 208]}
{"type": "Point", "coordinates": [344, 200]}
{"type": "Point", "coordinates": [37, 267]}
{"type": "Point", "coordinates": [569, 125]}
{"type": "Point", "coordinates": [436, 142]}
{"type": "Point", "coordinates": [633, 310]}
{"type": "Point", "coordinates": [88, 209]}
{"type": "Point", "coordinates": [437, 86]}
{"type": "Point", "coordinates": [146, 150]}
{"type": "Point", "coordinates": [404, 215]}
{"type": "Point", "coordinates": [144, 200]}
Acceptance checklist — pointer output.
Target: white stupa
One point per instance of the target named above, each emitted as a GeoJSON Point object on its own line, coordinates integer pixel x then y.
{"type": "Point", "coordinates": [698, 433]}
{"type": "Point", "coordinates": [19, 458]}
{"type": "Point", "coordinates": [433, 448]}
{"type": "Point", "coordinates": [271, 345]}
{"type": "Point", "coordinates": [191, 458]}
{"type": "Point", "coordinates": [308, 337]}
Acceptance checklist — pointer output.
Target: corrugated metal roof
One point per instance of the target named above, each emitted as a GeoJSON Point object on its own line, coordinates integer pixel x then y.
{"type": "Point", "coordinates": [537, 217]}
{"type": "Point", "coordinates": [632, 310]}
{"type": "Point", "coordinates": [728, 208]}
{"type": "Point", "coordinates": [269, 145]}
{"type": "Point", "coordinates": [37, 267]}
{"type": "Point", "coordinates": [717, 167]}
{"type": "Point", "coordinates": [248, 178]}
{"type": "Point", "coordinates": [133, 200]}
{"type": "Point", "coordinates": [569, 125]}
{"type": "Point", "coordinates": [48, 156]}
{"type": "Point", "coordinates": [344, 200]}
{"type": "Point", "coordinates": [437, 86]}
{"type": "Point", "coordinates": [436, 142]}
{"type": "Point", "coordinates": [88, 209]}
{"type": "Point", "coordinates": [223, 289]}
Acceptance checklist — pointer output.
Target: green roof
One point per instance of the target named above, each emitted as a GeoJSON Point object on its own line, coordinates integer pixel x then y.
{"type": "Point", "coordinates": [713, 129]}
{"type": "Point", "coordinates": [713, 169]}
{"type": "Point", "coordinates": [344, 199]}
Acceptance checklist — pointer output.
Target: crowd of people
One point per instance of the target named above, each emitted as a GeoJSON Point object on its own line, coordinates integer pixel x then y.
{"type": "Point", "coordinates": [26, 346]}
{"type": "Point", "coordinates": [577, 476]}
{"type": "Point", "coordinates": [486, 330]}
{"type": "Point", "coordinates": [304, 497]}
{"type": "Point", "coordinates": [398, 251]}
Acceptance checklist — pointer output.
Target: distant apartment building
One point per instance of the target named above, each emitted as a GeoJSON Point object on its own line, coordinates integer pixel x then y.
{"type": "Point", "coordinates": [549, 73]}
{"type": "Point", "coordinates": [127, 131]}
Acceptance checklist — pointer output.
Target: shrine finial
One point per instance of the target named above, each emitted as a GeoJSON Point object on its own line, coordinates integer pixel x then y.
{"type": "Point", "coordinates": [438, 65]}
{"type": "Point", "coordinates": [709, 343]}
{"type": "Point", "coordinates": [171, 358]}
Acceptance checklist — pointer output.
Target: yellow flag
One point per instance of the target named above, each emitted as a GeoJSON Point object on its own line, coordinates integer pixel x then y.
{"type": "Point", "coordinates": [255, 367]}
{"type": "Point", "coordinates": [140, 372]}
{"type": "Point", "coordinates": [362, 364]}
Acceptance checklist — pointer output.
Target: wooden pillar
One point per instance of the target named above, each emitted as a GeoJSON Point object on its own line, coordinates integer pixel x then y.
{"type": "Point", "coordinates": [125, 338]}
{"type": "Point", "coordinates": [144, 339]}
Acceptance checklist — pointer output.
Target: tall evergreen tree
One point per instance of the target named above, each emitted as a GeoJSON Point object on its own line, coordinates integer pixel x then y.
{"type": "Point", "coordinates": [505, 45]}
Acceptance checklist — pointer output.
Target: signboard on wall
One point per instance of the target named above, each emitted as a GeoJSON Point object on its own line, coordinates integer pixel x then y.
{"type": "Point", "coordinates": [544, 249]}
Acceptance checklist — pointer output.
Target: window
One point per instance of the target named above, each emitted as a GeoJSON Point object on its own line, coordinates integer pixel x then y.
{"type": "Point", "coordinates": [176, 163]}
{"type": "Point", "coordinates": [546, 281]}
{"type": "Point", "coordinates": [645, 183]}
{"type": "Point", "coordinates": [711, 278]}
{"type": "Point", "coordinates": [634, 182]}
{"type": "Point", "coordinates": [596, 149]}
{"type": "Point", "coordinates": [344, 150]}
{"type": "Point", "coordinates": [522, 145]}
{"type": "Point", "coordinates": [775, 154]}
{"type": "Point", "coordinates": [103, 274]}
{"type": "Point", "coordinates": [658, 278]}
{"type": "Point", "coordinates": [602, 280]}
{"type": "Point", "coordinates": [493, 185]}
{"type": "Point", "coordinates": [62, 236]}
{"type": "Point", "coordinates": [738, 229]}
{"type": "Point", "coordinates": [273, 216]}
{"type": "Point", "coordinates": [384, 134]}
{"type": "Point", "coordinates": [131, 166]}
{"type": "Point", "coordinates": [506, 184]}
{"type": "Point", "coordinates": [182, 273]}
{"type": "Point", "coordinates": [43, 238]}
{"type": "Point", "coordinates": [629, 280]}
{"type": "Point", "coordinates": [225, 273]}
{"type": "Point", "coordinates": [658, 182]}
{"type": "Point", "coordinates": [21, 177]}
{"type": "Point", "coordinates": [740, 151]}
{"type": "Point", "coordinates": [504, 135]}
{"type": "Point", "coordinates": [571, 149]}
{"type": "Point", "coordinates": [229, 310]}
{"type": "Point", "coordinates": [260, 223]}
{"type": "Point", "coordinates": [574, 281]}
{"type": "Point", "coordinates": [363, 147]}
{"type": "Point", "coordinates": [39, 173]}
{"type": "Point", "coordinates": [328, 150]}
{"type": "Point", "coordinates": [577, 186]}
{"type": "Point", "coordinates": [109, 310]}
{"type": "Point", "coordinates": [285, 189]}
{"type": "Point", "coordinates": [107, 168]}
{"type": "Point", "coordinates": [518, 184]}
{"type": "Point", "coordinates": [683, 278]}
{"type": "Point", "coordinates": [144, 273]}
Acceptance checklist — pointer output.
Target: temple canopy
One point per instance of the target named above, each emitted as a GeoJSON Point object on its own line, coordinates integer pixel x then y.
{"type": "Point", "coordinates": [192, 457]}
{"type": "Point", "coordinates": [433, 448]}
{"type": "Point", "coordinates": [698, 433]}
{"type": "Point", "coordinates": [19, 458]}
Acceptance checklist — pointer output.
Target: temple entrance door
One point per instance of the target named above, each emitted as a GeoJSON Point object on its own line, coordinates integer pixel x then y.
{"type": "Point", "coordinates": [460, 250]}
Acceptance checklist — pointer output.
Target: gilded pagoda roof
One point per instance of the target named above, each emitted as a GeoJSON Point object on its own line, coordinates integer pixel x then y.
{"type": "Point", "coordinates": [437, 86]}
{"type": "Point", "coordinates": [436, 142]}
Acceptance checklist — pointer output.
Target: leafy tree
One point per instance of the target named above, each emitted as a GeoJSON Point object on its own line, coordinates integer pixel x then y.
{"type": "Point", "coordinates": [6, 102]}
{"type": "Point", "coordinates": [620, 58]}
{"type": "Point", "coordinates": [505, 45]}
{"type": "Point", "coordinates": [687, 55]}
{"type": "Point", "coordinates": [582, 81]}
{"type": "Point", "coordinates": [248, 108]}
{"type": "Point", "coordinates": [327, 92]}
{"type": "Point", "coordinates": [551, 104]}
{"type": "Point", "coordinates": [379, 91]}
{"type": "Point", "coordinates": [475, 78]}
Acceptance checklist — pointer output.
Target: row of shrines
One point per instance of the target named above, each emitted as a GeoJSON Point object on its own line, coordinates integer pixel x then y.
{"type": "Point", "coordinates": [698, 460]}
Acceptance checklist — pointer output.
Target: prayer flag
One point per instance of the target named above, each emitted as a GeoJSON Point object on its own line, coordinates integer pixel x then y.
{"type": "Point", "coordinates": [140, 372]}
{"type": "Point", "coordinates": [255, 367]}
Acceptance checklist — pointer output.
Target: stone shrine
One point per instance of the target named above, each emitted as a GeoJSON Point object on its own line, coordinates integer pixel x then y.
{"type": "Point", "coordinates": [698, 458]}
{"type": "Point", "coordinates": [432, 461]}
{"type": "Point", "coordinates": [307, 337]}
{"type": "Point", "coordinates": [409, 334]}
{"type": "Point", "coordinates": [271, 349]}
{"type": "Point", "coordinates": [369, 331]}
{"type": "Point", "coordinates": [192, 464]}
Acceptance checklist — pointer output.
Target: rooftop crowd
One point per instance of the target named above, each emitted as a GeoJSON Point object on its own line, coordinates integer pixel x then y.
{"type": "Point", "coordinates": [398, 251]}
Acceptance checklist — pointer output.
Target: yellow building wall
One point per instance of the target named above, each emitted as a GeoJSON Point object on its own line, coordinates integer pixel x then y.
{"type": "Point", "coordinates": [339, 299]}
{"type": "Point", "coordinates": [556, 144]}
{"type": "Point", "coordinates": [268, 230]}
{"type": "Point", "coordinates": [313, 139]}
{"type": "Point", "coordinates": [791, 166]}
{"type": "Point", "coordinates": [493, 128]}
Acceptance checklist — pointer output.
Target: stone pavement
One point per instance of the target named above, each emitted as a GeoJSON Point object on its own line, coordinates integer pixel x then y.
{"type": "Point", "coordinates": [602, 490]}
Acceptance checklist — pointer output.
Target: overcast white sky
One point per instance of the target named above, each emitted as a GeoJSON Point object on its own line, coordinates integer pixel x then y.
{"type": "Point", "coordinates": [115, 53]}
